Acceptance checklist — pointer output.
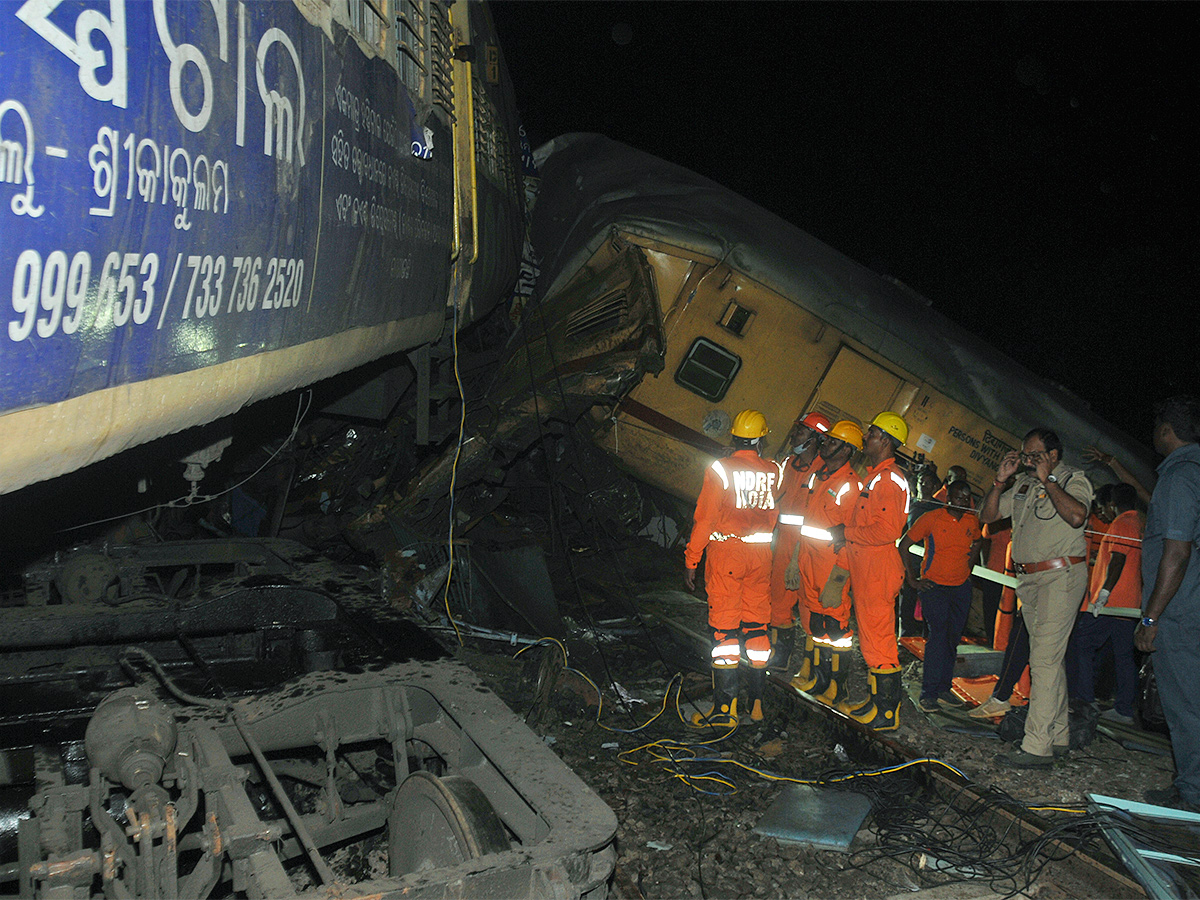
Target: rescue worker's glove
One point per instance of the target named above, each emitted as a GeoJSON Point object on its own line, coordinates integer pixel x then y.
{"type": "Point", "coordinates": [831, 594]}
{"type": "Point", "coordinates": [1100, 602]}
{"type": "Point", "coordinates": [791, 576]}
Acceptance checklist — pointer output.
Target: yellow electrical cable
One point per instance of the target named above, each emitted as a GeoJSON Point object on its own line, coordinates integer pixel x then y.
{"type": "Point", "coordinates": [671, 748]}
{"type": "Point", "coordinates": [677, 677]}
{"type": "Point", "coordinates": [462, 424]}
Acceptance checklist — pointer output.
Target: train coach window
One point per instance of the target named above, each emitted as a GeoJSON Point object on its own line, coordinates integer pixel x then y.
{"type": "Point", "coordinates": [736, 318]}
{"type": "Point", "coordinates": [412, 47]}
{"type": "Point", "coordinates": [708, 369]}
{"type": "Point", "coordinates": [369, 21]}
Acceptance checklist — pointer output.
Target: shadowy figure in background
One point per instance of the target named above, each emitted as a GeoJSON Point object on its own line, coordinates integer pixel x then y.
{"type": "Point", "coordinates": [1016, 658]}
{"type": "Point", "coordinates": [786, 553]}
{"type": "Point", "coordinates": [954, 474]}
{"type": "Point", "coordinates": [1095, 454]}
{"type": "Point", "coordinates": [951, 537]}
{"type": "Point", "coordinates": [1115, 589]}
{"type": "Point", "coordinates": [996, 538]}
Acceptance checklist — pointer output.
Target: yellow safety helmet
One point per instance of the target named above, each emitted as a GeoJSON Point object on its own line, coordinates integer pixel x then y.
{"type": "Point", "coordinates": [749, 424]}
{"type": "Point", "coordinates": [847, 431]}
{"type": "Point", "coordinates": [890, 423]}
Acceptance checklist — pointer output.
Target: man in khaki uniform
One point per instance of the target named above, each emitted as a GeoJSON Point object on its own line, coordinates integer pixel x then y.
{"type": "Point", "coordinates": [1048, 504]}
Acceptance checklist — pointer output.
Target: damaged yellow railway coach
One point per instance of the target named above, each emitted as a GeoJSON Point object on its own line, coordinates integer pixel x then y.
{"type": "Point", "coordinates": [757, 314]}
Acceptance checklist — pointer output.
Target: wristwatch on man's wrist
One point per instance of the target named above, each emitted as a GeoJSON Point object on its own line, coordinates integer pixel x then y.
{"type": "Point", "coordinates": [1148, 622]}
{"type": "Point", "coordinates": [1051, 479]}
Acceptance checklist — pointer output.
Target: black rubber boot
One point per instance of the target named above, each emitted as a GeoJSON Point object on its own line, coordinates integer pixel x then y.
{"type": "Point", "coordinates": [724, 709]}
{"type": "Point", "coordinates": [835, 689]}
{"type": "Point", "coordinates": [756, 684]}
{"type": "Point", "coordinates": [806, 665]}
{"type": "Point", "coordinates": [824, 671]}
{"type": "Point", "coordinates": [782, 642]}
{"type": "Point", "coordinates": [817, 658]}
{"type": "Point", "coordinates": [853, 709]}
{"type": "Point", "coordinates": [884, 713]}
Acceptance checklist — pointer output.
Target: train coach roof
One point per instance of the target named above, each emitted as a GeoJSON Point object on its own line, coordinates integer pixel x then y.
{"type": "Point", "coordinates": [590, 184]}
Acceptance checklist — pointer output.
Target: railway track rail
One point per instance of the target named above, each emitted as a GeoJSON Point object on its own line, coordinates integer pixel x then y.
{"type": "Point", "coordinates": [1077, 872]}
{"type": "Point", "coordinates": [1100, 873]}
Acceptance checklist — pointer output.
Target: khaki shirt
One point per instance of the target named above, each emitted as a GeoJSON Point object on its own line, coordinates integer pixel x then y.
{"type": "Point", "coordinates": [1039, 532]}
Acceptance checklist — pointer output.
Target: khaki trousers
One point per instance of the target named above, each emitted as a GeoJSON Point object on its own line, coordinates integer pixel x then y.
{"type": "Point", "coordinates": [1049, 603]}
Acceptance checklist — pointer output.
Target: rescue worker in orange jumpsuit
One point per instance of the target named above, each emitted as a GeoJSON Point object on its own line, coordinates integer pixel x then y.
{"type": "Point", "coordinates": [832, 490]}
{"type": "Point", "coordinates": [734, 520]}
{"type": "Point", "coordinates": [1115, 584]}
{"type": "Point", "coordinates": [870, 534]}
{"type": "Point", "coordinates": [786, 553]}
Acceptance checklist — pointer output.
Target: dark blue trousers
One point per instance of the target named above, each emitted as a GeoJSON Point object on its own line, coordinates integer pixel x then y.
{"type": "Point", "coordinates": [1176, 662]}
{"type": "Point", "coordinates": [1087, 640]}
{"type": "Point", "coordinates": [945, 611]}
{"type": "Point", "coordinates": [1016, 658]}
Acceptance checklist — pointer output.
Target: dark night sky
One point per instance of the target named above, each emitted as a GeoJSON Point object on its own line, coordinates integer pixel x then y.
{"type": "Point", "coordinates": [1027, 167]}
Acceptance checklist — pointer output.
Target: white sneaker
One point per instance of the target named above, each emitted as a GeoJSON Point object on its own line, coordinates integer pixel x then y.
{"type": "Point", "coordinates": [990, 708]}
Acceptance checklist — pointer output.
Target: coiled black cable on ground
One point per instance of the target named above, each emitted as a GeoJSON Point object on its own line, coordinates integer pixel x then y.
{"type": "Point", "coordinates": [938, 834]}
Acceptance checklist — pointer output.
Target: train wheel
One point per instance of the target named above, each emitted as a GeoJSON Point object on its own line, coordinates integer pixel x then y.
{"type": "Point", "coordinates": [437, 822]}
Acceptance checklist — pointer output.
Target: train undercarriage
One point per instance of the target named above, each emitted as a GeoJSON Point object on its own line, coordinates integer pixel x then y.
{"type": "Point", "coordinates": [255, 736]}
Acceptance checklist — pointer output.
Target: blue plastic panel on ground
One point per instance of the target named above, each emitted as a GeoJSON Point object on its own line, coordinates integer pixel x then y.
{"type": "Point", "coordinates": [822, 817]}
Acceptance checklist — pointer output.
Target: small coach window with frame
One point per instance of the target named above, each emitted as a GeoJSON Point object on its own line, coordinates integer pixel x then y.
{"type": "Point", "coordinates": [708, 369]}
{"type": "Point", "coordinates": [736, 318]}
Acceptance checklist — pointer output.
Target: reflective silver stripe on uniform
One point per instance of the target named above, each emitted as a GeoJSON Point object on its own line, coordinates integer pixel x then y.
{"type": "Point", "coordinates": [841, 493]}
{"type": "Point", "coordinates": [874, 481]}
{"type": "Point", "coordinates": [789, 519]}
{"type": "Point", "coordinates": [817, 534]}
{"type": "Point", "coordinates": [903, 482]}
{"type": "Point", "coordinates": [726, 654]}
{"type": "Point", "coordinates": [829, 642]}
{"type": "Point", "coordinates": [762, 537]}
{"type": "Point", "coordinates": [758, 655]}
{"type": "Point", "coordinates": [720, 470]}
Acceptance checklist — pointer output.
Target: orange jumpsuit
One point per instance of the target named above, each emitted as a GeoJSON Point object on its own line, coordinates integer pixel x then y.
{"type": "Point", "coordinates": [1124, 535]}
{"type": "Point", "coordinates": [874, 526]}
{"type": "Point", "coordinates": [791, 500]}
{"type": "Point", "coordinates": [734, 520]}
{"type": "Point", "coordinates": [829, 504]}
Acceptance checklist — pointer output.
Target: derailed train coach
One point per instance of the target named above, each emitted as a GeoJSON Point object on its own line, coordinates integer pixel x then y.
{"type": "Point", "coordinates": [206, 204]}
{"type": "Point", "coordinates": [202, 205]}
{"type": "Point", "coordinates": [725, 306]}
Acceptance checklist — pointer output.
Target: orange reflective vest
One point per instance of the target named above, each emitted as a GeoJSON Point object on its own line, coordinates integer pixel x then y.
{"type": "Point", "coordinates": [881, 509]}
{"type": "Point", "coordinates": [792, 497]}
{"type": "Point", "coordinates": [737, 503]}
{"type": "Point", "coordinates": [829, 503]}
